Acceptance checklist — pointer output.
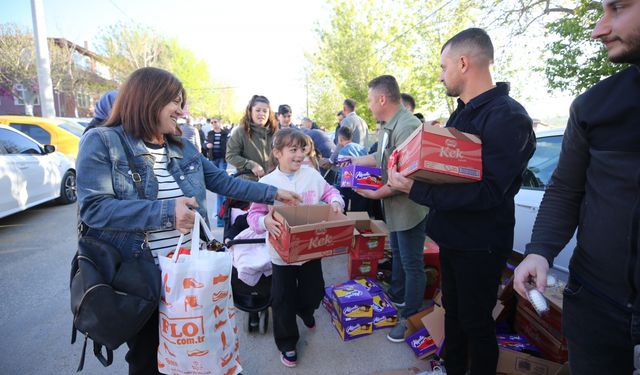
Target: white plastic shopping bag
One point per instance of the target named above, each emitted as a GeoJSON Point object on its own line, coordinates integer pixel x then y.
{"type": "Point", "coordinates": [198, 332]}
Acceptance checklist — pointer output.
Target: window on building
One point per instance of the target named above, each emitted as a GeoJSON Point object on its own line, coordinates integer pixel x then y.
{"type": "Point", "coordinates": [83, 100]}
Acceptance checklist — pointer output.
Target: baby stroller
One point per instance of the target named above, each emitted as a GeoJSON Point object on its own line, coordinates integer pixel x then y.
{"type": "Point", "coordinates": [255, 299]}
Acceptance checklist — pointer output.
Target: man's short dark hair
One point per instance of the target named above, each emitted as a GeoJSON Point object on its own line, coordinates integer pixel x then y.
{"type": "Point", "coordinates": [351, 104]}
{"type": "Point", "coordinates": [408, 99]}
{"type": "Point", "coordinates": [472, 38]}
{"type": "Point", "coordinates": [283, 109]}
{"type": "Point", "coordinates": [388, 85]}
{"type": "Point", "coordinates": [345, 132]}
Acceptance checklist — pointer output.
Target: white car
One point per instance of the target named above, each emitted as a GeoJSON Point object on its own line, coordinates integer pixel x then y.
{"type": "Point", "coordinates": [527, 201]}
{"type": "Point", "coordinates": [32, 173]}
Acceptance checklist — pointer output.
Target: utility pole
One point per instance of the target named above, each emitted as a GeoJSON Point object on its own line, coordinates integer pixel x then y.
{"type": "Point", "coordinates": [43, 62]}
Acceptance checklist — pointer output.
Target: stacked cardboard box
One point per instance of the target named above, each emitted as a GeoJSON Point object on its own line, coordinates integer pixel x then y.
{"type": "Point", "coordinates": [368, 245]}
{"type": "Point", "coordinates": [357, 307]}
{"type": "Point", "coordinates": [543, 331]}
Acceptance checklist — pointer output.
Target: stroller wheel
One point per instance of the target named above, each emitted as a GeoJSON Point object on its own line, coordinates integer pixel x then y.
{"type": "Point", "coordinates": [264, 320]}
{"type": "Point", "coordinates": [254, 322]}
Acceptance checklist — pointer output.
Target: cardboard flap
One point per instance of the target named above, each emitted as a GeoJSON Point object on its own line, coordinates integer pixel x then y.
{"type": "Point", "coordinates": [307, 217]}
{"type": "Point", "coordinates": [451, 132]}
{"type": "Point", "coordinates": [358, 215]}
{"type": "Point", "coordinates": [362, 221]}
{"type": "Point", "coordinates": [434, 323]}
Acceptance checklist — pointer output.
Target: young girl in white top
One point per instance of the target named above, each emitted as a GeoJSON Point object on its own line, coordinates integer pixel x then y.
{"type": "Point", "coordinates": [297, 288]}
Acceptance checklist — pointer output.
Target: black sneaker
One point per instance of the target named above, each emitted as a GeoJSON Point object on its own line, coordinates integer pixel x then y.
{"type": "Point", "coordinates": [289, 359]}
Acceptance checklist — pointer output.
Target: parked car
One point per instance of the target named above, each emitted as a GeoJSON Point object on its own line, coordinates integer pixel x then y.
{"type": "Point", "coordinates": [82, 121]}
{"type": "Point", "coordinates": [63, 134]}
{"type": "Point", "coordinates": [527, 201]}
{"type": "Point", "coordinates": [32, 173]}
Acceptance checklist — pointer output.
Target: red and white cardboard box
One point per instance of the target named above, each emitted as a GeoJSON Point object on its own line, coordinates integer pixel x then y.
{"type": "Point", "coordinates": [440, 155]}
{"type": "Point", "coordinates": [362, 267]}
{"type": "Point", "coordinates": [311, 232]}
{"type": "Point", "coordinates": [370, 236]}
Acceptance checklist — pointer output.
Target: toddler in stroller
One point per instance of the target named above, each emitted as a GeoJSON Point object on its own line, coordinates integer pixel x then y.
{"type": "Point", "coordinates": [251, 273]}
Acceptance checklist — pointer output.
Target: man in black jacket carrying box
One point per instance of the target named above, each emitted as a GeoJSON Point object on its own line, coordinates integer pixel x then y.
{"type": "Point", "coordinates": [596, 189]}
{"type": "Point", "coordinates": [473, 222]}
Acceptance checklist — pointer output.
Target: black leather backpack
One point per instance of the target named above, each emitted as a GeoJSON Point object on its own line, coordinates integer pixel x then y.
{"type": "Point", "coordinates": [112, 297]}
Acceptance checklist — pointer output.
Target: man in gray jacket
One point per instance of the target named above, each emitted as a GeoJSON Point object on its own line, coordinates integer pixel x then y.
{"type": "Point", "coordinates": [354, 122]}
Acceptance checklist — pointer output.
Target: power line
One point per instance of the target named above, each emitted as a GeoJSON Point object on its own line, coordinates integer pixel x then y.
{"type": "Point", "coordinates": [414, 26]}
{"type": "Point", "coordinates": [120, 9]}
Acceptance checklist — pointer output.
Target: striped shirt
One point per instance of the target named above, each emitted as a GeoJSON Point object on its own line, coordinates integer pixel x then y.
{"type": "Point", "coordinates": [164, 241]}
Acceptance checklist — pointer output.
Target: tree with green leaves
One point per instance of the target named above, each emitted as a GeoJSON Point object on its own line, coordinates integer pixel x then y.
{"type": "Point", "coordinates": [365, 39]}
{"type": "Point", "coordinates": [128, 47]}
{"type": "Point", "coordinates": [576, 61]}
{"type": "Point", "coordinates": [17, 64]}
{"type": "Point", "coordinates": [572, 60]}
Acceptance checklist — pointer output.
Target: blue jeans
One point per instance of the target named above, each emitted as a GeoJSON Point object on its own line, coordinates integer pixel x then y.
{"type": "Point", "coordinates": [408, 279]}
{"type": "Point", "coordinates": [220, 163]}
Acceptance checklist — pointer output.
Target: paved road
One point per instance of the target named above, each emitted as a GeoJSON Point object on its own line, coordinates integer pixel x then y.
{"type": "Point", "coordinates": [36, 248]}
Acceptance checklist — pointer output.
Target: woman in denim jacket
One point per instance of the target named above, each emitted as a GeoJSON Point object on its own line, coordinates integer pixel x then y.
{"type": "Point", "coordinates": [173, 175]}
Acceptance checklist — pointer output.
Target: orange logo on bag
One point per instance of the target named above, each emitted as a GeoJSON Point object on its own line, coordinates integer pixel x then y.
{"type": "Point", "coordinates": [192, 302]}
{"type": "Point", "coordinates": [164, 283]}
{"type": "Point", "coordinates": [226, 359]}
{"type": "Point", "coordinates": [217, 296]}
{"type": "Point", "coordinates": [197, 353]}
{"type": "Point", "coordinates": [182, 331]}
{"type": "Point", "coordinates": [219, 324]}
{"type": "Point", "coordinates": [217, 311]}
{"type": "Point", "coordinates": [190, 282]}
{"type": "Point", "coordinates": [167, 349]}
{"type": "Point", "coordinates": [231, 370]}
{"type": "Point", "coordinates": [223, 340]}
{"type": "Point", "coordinates": [220, 279]}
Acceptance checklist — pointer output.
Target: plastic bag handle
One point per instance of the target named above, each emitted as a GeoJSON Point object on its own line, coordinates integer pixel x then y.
{"type": "Point", "coordinates": [198, 222]}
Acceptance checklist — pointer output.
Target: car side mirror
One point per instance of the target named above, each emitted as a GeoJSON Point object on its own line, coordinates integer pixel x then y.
{"type": "Point", "coordinates": [49, 149]}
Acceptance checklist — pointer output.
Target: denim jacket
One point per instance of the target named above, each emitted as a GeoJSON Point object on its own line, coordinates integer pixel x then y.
{"type": "Point", "coordinates": [108, 199]}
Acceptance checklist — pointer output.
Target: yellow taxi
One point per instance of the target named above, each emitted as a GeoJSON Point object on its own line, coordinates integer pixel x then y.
{"type": "Point", "coordinates": [63, 134]}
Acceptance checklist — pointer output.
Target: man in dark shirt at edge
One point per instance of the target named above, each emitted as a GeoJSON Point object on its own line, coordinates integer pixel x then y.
{"type": "Point", "coordinates": [595, 188]}
{"type": "Point", "coordinates": [473, 222]}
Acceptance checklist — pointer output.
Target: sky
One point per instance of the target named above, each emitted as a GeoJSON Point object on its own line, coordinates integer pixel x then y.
{"type": "Point", "coordinates": [256, 47]}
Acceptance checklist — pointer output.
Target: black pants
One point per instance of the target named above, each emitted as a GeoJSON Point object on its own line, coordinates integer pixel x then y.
{"type": "Point", "coordinates": [600, 335]}
{"type": "Point", "coordinates": [143, 349]}
{"type": "Point", "coordinates": [295, 290]}
{"type": "Point", "coordinates": [469, 292]}
{"type": "Point", "coordinates": [353, 202]}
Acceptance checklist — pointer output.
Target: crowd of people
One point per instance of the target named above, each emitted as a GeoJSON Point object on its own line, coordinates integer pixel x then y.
{"type": "Point", "coordinates": [594, 189]}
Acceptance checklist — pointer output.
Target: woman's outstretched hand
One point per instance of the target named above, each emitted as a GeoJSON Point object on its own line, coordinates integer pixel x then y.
{"type": "Point", "coordinates": [288, 197]}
